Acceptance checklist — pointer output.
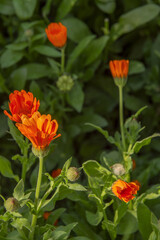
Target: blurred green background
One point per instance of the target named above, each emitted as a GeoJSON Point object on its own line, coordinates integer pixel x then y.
{"type": "Point", "coordinates": [98, 31]}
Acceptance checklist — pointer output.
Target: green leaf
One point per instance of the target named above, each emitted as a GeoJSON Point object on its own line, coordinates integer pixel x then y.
{"type": "Point", "coordinates": [6, 7]}
{"type": "Point", "coordinates": [93, 169]}
{"type": "Point", "coordinates": [139, 144]}
{"type": "Point", "coordinates": [107, 6]}
{"type": "Point", "coordinates": [66, 165]}
{"type": "Point", "coordinates": [64, 8]}
{"type": "Point", "coordinates": [144, 220]}
{"type": "Point", "coordinates": [47, 51]}
{"type": "Point", "coordinates": [36, 70]}
{"type": "Point", "coordinates": [17, 46]}
{"type": "Point", "coordinates": [75, 97]}
{"type": "Point", "coordinates": [79, 238]}
{"type": "Point", "coordinates": [128, 224]}
{"type": "Point", "coordinates": [19, 190]}
{"type": "Point", "coordinates": [136, 67]}
{"type": "Point", "coordinates": [76, 187]}
{"type": "Point", "coordinates": [95, 49]}
{"type": "Point", "coordinates": [9, 58]}
{"type": "Point", "coordinates": [134, 18]}
{"type": "Point", "coordinates": [94, 218]}
{"type": "Point", "coordinates": [17, 136]}
{"type": "Point", "coordinates": [20, 223]}
{"type": "Point", "coordinates": [76, 29]}
{"type": "Point", "coordinates": [24, 8]}
{"type": "Point", "coordinates": [5, 168]}
{"type": "Point", "coordinates": [63, 232]}
{"type": "Point", "coordinates": [35, 89]}
{"type": "Point", "coordinates": [19, 77]}
{"type": "Point", "coordinates": [120, 212]}
{"type": "Point", "coordinates": [78, 50]}
{"type": "Point", "coordinates": [103, 132]}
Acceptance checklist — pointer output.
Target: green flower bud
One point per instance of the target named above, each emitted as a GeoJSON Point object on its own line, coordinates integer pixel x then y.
{"type": "Point", "coordinates": [65, 83]}
{"type": "Point", "coordinates": [29, 33]}
{"type": "Point", "coordinates": [118, 169]}
{"type": "Point", "coordinates": [40, 152]}
{"type": "Point", "coordinates": [11, 204]}
{"type": "Point", "coordinates": [73, 174]}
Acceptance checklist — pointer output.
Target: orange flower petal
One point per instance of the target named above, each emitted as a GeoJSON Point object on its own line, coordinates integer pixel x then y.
{"type": "Point", "coordinates": [57, 34]}
{"type": "Point", "coordinates": [21, 103]}
{"type": "Point", "coordinates": [125, 191]}
{"type": "Point", "coordinates": [119, 68]}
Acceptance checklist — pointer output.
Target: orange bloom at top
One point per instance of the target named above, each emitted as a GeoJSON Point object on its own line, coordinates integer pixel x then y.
{"type": "Point", "coordinates": [119, 68]}
{"type": "Point", "coordinates": [57, 34]}
{"type": "Point", "coordinates": [125, 191]}
{"type": "Point", "coordinates": [21, 103]}
{"type": "Point", "coordinates": [39, 129]}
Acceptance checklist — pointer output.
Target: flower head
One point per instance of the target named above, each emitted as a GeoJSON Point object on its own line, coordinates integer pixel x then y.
{"type": "Point", "coordinates": [125, 191]}
{"type": "Point", "coordinates": [57, 34]}
{"type": "Point", "coordinates": [56, 173]}
{"type": "Point", "coordinates": [119, 70]}
{"type": "Point", "coordinates": [21, 103]}
{"type": "Point", "coordinates": [39, 129]}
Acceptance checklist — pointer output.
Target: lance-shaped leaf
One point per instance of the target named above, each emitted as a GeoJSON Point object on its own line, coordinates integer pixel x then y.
{"type": "Point", "coordinates": [139, 144]}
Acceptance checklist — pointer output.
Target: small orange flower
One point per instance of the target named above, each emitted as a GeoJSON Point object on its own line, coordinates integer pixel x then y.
{"type": "Point", "coordinates": [39, 129]}
{"type": "Point", "coordinates": [56, 173]}
{"type": "Point", "coordinates": [57, 34]}
{"type": "Point", "coordinates": [119, 68]}
{"type": "Point", "coordinates": [21, 103]}
{"type": "Point", "coordinates": [46, 216]}
{"type": "Point", "coordinates": [125, 191]}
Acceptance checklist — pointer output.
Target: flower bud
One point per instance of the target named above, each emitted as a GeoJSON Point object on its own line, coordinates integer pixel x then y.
{"type": "Point", "coordinates": [11, 204]}
{"type": "Point", "coordinates": [29, 33]}
{"type": "Point", "coordinates": [73, 174]}
{"type": "Point", "coordinates": [118, 169]}
{"type": "Point", "coordinates": [65, 83]}
{"type": "Point", "coordinates": [38, 152]}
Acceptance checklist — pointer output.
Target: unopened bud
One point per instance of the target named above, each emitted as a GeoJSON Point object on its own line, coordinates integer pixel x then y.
{"type": "Point", "coordinates": [29, 33]}
{"type": "Point", "coordinates": [118, 169]}
{"type": "Point", "coordinates": [73, 174]}
{"type": "Point", "coordinates": [11, 204]}
{"type": "Point", "coordinates": [40, 152]}
{"type": "Point", "coordinates": [65, 83]}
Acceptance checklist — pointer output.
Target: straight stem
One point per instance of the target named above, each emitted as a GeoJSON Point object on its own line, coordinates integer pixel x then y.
{"type": "Point", "coordinates": [34, 218]}
{"type": "Point", "coordinates": [62, 60]}
{"type": "Point", "coordinates": [121, 115]}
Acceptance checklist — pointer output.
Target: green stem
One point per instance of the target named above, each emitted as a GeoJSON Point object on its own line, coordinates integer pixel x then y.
{"type": "Point", "coordinates": [62, 59]}
{"type": "Point", "coordinates": [24, 169]}
{"type": "Point", "coordinates": [121, 115]}
{"type": "Point", "coordinates": [34, 218]}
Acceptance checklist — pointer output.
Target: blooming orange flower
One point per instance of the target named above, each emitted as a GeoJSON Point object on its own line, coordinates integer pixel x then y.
{"type": "Point", "coordinates": [56, 173]}
{"type": "Point", "coordinates": [125, 191]}
{"type": "Point", "coordinates": [39, 129]}
{"type": "Point", "coordinates": [21, 103]}
{"type": "Point", "coordinates": [57, 34]}
{"type": "Point", "coordinates": [119, 68]}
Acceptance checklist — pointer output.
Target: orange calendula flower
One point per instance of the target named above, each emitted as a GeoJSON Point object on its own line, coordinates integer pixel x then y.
{"type": "Point", "coordinates": [125, 191]}
{"type": "Point", "coordinates": [56, 173]}
{"type": "Point", "coordinates": [119, 70]}
{"type": "Point", "coordinates": [39, 129]}
{"type": "Point", "coordinates": [21, 103]}
{"type": "Point", "coordinates": [57, 34]}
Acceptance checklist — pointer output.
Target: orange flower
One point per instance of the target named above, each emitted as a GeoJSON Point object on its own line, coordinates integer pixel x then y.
{"type": "Point", "coordinates": [56, 173]}
{"type": "Point", "coordinates": [119, 68]}
{"type": "Point", "coordinates": [125, 191]}
{"type": "Point", "coordinates": [21, 103]}
{"type": "Point", "coordinates": [46, 216]}
{"type": "Point", "coordinates": [39, 129]}
{"type": "Point", "coordinates": [57, 34]}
